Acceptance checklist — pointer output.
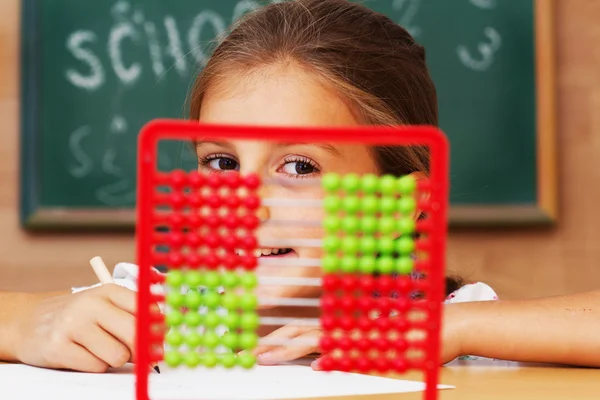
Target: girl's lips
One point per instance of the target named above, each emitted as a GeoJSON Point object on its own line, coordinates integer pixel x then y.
{"type": "Point", "coordinates": [288, 254]}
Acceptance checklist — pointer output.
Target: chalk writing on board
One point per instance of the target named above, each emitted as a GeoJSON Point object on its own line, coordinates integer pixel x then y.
{"type": "Point", "coordinates": [93, 79]}
{"type": "Point", "coordinates": [84, 162]}
{"type": "Point", "coordinates": [486, 51]}
{"type": "Point", "coordinates": [409, 10]}
{"type": "Point", "coordinates": [486, 4]}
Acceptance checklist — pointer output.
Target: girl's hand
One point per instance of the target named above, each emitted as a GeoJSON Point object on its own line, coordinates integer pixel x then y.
{"type": "Point", "coordinates": [88, 331]}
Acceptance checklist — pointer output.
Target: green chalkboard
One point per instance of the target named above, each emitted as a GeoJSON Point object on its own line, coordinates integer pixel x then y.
{"type": "Point", "coordinates": [93, 73]}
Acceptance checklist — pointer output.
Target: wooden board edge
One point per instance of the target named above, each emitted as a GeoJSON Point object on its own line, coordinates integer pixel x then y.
{"type": "Point", "coordinates": [546, 121]}
{"type": "Point", "coordinates": [499, 215]}
{"type": "Point", "coordinates": [63, 219]}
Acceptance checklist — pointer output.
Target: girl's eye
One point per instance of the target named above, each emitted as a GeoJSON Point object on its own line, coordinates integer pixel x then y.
{"type": "Point", "coordinates": [299, 167]}
{"type": "Point", "coordinates": [223, 164]}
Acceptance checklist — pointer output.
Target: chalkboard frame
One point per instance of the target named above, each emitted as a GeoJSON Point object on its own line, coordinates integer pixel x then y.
{"type": "Point", "coordinates": [34, 216]}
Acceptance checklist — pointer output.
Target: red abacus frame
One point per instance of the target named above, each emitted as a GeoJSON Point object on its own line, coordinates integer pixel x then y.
{"type": "Point", "coordinates": [148, 179]}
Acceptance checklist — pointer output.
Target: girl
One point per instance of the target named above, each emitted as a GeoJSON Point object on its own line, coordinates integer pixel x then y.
{"type": "Point", "coordinates": [310, 63]}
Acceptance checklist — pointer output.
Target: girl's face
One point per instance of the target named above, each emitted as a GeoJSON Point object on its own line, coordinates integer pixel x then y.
{"type": "Point", "coordinates": [283, 96]}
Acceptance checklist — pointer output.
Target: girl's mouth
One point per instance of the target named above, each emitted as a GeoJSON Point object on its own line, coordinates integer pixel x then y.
{"type": "Point", "coordinates": [273, 252]}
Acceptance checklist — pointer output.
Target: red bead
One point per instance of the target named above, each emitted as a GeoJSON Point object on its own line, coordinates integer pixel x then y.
{"type": "Point", "coordinates": [327, 343]}
{"type": "Point", "coordinates": [349, 283]}
{"type": "Point", "coordinates": [347, 323]}
{"type": "Point", "coordinates": [231, 261]}
{"type": "Point", "coordinates": [231, 221]}
{"type": "Point", "coordinates": [385, 284]}
{"type": "Point", "coordinates": [177, 179]}
{"type": "Point", "coordinates": [175, 239]}
{"type": "Point", "coordinates": [196, 179]}
{"type": "Point", "coordinates": [381, 344]}
{"type": "Point", "coordinates": [229, 242]}
{"type": "Point", "coordinates": [345, 363]}
{"type": "Point", "coordinates": [213, 201]}
{"type": "Point", "coordinates": [194, 200]}
{"type": "Point", "coordinates": [381, 364]}
{"type": "Point", "coordinates": [212, 240]}
{"type": "Point", "coordinates": [214, 180]}
{"type": "Point", "coordinates": [250, 222]}
{"type": "Point", "coordinates": [194, 220]}
{"type": "Point", "coordinates": [232, 202]}
{"type": "Point", "coordinates": [384, 305]}
{"type": "Point", "coordinates": [363, 365]}
{"type": "Point", "coordinates": [347, 304]}
{"type": "Point", "coordinates": [403, 283]}
{"type": "Point", "coordinates": [363, 344]}
{"type": "Point", "coordinates": [365, 304]}
{"type": "Point", "coordinates": [345, 343]}
{"type": "Point", "coordinates": [212, 221]}
{"type": "Point", "coordinates": [367, 285]}
{"type": "Point", "coordinates": [330, 282]}
{"type": "Point", "coordinates": [176, 200]}
{"type": "Point", "coordinates": [193, 260]}
{"type": "Point", "coordinates": [251, 202]}
{"type": "Point", "coordinates": [252, 182]}
{"type": "Point", "coordinates": [364, 323]}
{"type": "Point", "coordinates": [329, 303]}
{"type": "Point", "coordinates": [400, 345]}
{"type": "Point", "coordinates": [175, 260]}
{"type": "Point", "coordinates": [248, 242]}
{"type": "Point", "coordinates": [328, 322]}
{"type": "Point", "coordinates": [175, 220]}
{"type": "Point", "coordinates": [249, 262]}
{"type": "Point", "coordinates": [211, 260]}
{"type": "Point", "coordinates": [400, 324]}
{"type": "Point", "coordinates": [402, 304]}
{"type": "Point", "coordinates": [383, 324]}
{"type": "Point", "coordinates": [327, 363]}
{"type": "Point", "coordinates": [399, 365]}
{"type": "Point", "coordinates": [233, 180]}
{"type": "Point", "coordinates": [193, 240]}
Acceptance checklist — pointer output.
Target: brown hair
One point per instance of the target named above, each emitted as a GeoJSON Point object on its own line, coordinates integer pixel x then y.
{"type": "Point", "coordinates": [373, 63]}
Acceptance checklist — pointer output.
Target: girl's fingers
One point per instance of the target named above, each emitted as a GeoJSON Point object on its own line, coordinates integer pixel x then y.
{"type": "Point", "coordinates": [286, 332]}
{"type": "Point", "coordinates": [102, 345]}
{"type": "Point", "coordinates": [120, 325]}
{"type": "Point", "coordinates": [295, 349]}
{"type": "Point", "coordinates": [80, 359]}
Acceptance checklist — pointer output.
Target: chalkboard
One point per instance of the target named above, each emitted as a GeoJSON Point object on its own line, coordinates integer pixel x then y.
{"type": "Point", "coordinates": [93, 73]}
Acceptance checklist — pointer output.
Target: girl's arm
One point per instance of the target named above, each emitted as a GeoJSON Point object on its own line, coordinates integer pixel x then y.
{"type": "Point", "coordinates": [561, 329]}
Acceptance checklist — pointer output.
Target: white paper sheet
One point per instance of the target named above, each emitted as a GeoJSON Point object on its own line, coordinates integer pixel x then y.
{"type": "Point", "coordinates": [265, 383]}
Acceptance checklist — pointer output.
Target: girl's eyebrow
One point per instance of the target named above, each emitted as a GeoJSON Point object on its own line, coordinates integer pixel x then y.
{"type": "Point", "coordinates": [327, 147]}
{"type": "Point", "coordinates": [200, 143]}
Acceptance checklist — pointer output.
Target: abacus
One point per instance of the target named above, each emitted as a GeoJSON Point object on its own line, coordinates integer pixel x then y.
{"type": "Point", "coordinates": [382, 269]}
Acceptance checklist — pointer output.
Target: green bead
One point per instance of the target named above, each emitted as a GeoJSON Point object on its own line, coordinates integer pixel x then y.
{"type": "Point", "coordinates": [330, 263]}
{"type": "Point", "coordinates": [174, 338]}
{"type": "Point", "coordinates": [351, 204]}
{"type": "Point", "coordinates": [174, 318]}
{"type": "Point", "coordinates": [369, 205]}
{"type": "Point", "coordinates": [387, 205]}
{"type": "Point", "coordinates": [231, 320]}
{"type": "Point", "coordinates": [349, 264]}
{"type": "Point", "coordinates": [331, 224]}
{"type": "Point", "coordinates": [191, 359]}
{"type": "Point", "coordinates": [230, 340]}
{"type": "Point", "coordinates": [351, 183]}
{"type": "Point", "coordinates": [209, 359]}
{"type": "Point", "coordinates": [212, 279]}
{"type": "Point", "coordinates": [404, 265]}
{"type": "Point", "coordinates": [368, 245]}
{"type": "Point", "coordinates": [227, 360]}
{"type": "Point", "coordinates": [385, 265]}
{"type": "Point", "coordinates": [193, 339]}
{"type": "Point", "coordinates": [175, 279]}
{"type": "Point", "coordinates": [407, 185]}
{"type": "Point", "coordinates": [246, 360]}
{"type": "Point", "coordinates": [368, 225]}
{"type": "Point", "coordinates": [248, 302]}
{"type": "Point", "coordinates": [407, 205]}
{"type": "Point", "coordinates": [332, 204]}
{"type": "Point", "coordinates": [193, 300]}
{"type": "Point", "coordinates": [211, 340]}
{"type": "Point", "coordinates": [387, 225]}
{"type": "Point", "coordinates": [387, 185]}
{"type": "Point", "coordinates": [406, 225]}
{"type": "Point", "coordinates": [192, 319]}
{"type": "Point", "coordinates": [230, 279]}
{"type": "Point", "coordinates": [249, 321]}
{"type": "Point", "coordinates": [230, 301]}
{"type": "Point", "coordinates": [193, 279]}
{"type": "Point", "coordinates": [249, 280]}
{"type": "Point", "coordinates": [175, 299]}
{"type": "Point", "coordinates": [367, 265]}
{"type": "Point", "coordinates": [386, 245]}
{"type": "Point", "coordinates": [350, 245]}
{"type": "Point", "coordinates": [369, 183]}
{"type": "Point", "coordinates": [351, 225]}
{"type": "Point", "coordinates": [405, 245]}
{"type": "Point", "coordinates": [248, 340]}
{"type": "Point", "coordinates": [331, 244]}
{"type": "Point", "coordinates": [331, 182]}
{"type": "Point", "coordinates": [212, 319]}
{"type": "Point", "coordinates": [173, 358]}
{"type": "Point", "coordinates": [212, 299]}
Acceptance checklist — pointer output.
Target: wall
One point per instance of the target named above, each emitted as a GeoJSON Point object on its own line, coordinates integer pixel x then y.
{"type": "Point", "coordinates": [517, 263]}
